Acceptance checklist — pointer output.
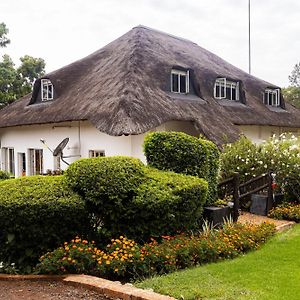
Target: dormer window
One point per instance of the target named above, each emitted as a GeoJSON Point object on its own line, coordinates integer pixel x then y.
{"type": "Point", "coordinates": [46, 90]}
{"type": "Point", "coordinates": [226, 89]}
{"type": "Point", "coordinates": [180, 81]}
{"type": "Point", "coordinates": [272, 97]}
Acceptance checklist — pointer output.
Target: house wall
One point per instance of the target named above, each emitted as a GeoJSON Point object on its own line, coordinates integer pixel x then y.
{"type": "Point", "coordinates": [258, 134]}
{"type": "Point", "coordinates": [83, 137]}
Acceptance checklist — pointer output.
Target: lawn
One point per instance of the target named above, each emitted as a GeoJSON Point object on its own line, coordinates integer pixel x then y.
{"type": "Point", "coordinates": [273, 272]}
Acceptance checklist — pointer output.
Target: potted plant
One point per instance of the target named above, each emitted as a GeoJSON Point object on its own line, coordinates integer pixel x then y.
{"type": "Point", "coordinates": [219, 211]}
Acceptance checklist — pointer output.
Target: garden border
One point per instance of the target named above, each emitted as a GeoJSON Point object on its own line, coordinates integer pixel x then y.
{"type": "Point", "coordinates": [110, 288]}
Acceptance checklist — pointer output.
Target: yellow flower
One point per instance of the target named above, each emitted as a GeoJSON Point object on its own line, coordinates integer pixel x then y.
{"type": "Point", "coordinates": [108, 262]}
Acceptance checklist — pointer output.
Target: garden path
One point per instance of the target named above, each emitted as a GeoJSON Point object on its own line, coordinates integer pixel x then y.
{"type": "Point", "coordinates": [247, 217]}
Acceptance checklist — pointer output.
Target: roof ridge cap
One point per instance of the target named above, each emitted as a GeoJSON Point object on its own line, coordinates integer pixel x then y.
{"type": "Point", "coordinates": [164, 33]}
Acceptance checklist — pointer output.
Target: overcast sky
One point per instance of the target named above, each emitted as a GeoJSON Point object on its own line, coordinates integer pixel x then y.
{"type": "Point", "coordinates": [62, 31]}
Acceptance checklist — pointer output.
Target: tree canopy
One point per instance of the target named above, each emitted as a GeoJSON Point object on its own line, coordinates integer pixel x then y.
{"type": "Point", "coordinates": [16, 82]}
{"type": "Point", "coordinates": [3, 38]}
{"type": "Point", "coordinates": [292, 92]}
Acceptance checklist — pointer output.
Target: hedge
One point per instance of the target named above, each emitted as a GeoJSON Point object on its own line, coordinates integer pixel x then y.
{"type": "Point", "coordinates": [165, 204]}
{"type": "Point", "coordinates": [4, 175]}
{"type": "Point", "coordinates": [36, 215]}
{"type": "Point", "coordinates": [105, 181]}
{"type": "Point", "coordinates": [182, 153]}
{"type": "Point", "coordinates": [129, 198]}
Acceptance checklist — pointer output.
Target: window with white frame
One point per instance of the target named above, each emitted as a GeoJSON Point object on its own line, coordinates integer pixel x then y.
{"type": "Point", "coordinates": [227, 89]}
{"type": "Point", "coordinates": [272, 97]}
{"type": "Point", "coordinates": [96, 153]}
{"type": "Point", "coordinates": [21, 164]}
{"type": "Point", "coordinates": [8, 160]}
{"type": "Point", "coordinates": [35, 161]}
{"type": "Point", "coordinates": [46, 90]}
{"type": "Point", "coordinates": [180, 81]}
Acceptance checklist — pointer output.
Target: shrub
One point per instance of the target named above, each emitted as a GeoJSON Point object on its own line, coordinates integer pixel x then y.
{"type": "Point", "coordinates": [242, 157]}
{"type": "Point", "coordinates": [286, 211]}
{"type": "Point", "coordinates": [37, 214]}
{"type": "Point", "coordinates": [106, 181]}
{"type": "Point", "coordinates": [279, 154]}
{"type": "Point", "coordinates": [124, 258]}
{"type": "Point", "coordinates": [129, 198]}
{"type": "Point", "coordinates": [4, 175]}
{"type": "Point", "coordinates": [182, 153]}
{"type": "Point", "coordinates": [165, 203]}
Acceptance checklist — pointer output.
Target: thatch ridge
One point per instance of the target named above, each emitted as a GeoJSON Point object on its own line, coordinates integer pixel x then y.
{"type": "Point", "coordinates": [123, 89]}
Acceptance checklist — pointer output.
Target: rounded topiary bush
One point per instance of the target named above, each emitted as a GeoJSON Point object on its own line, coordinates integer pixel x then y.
{"type": "Point", "coordinates": [105, 180]}
{"type": "Point", "coordinates": [108, 185]}
{"type": "Point", "coordinates": [176, 151]}
{"type": "Point", "coordinates": [37, 214]}
{"type": "Point", "coordinates": [182, 153]}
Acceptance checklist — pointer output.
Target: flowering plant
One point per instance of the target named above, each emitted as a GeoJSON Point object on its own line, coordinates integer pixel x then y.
{"type": "Point", "coordinates": [280, 154]}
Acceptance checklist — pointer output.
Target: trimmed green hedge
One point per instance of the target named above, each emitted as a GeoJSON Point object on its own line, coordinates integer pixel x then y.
{"type": "Point", "coordinates": [4, 175]}
{"type": "Point", "coordinates": [128, 198]}
{"type": "Point", "coordinates": [165, 204]}
{"type": "Point", "coordinates": [105, 181]}
{"type": "Point", "coordinates": [37, 214]}
{"type": "Point", "coordinates": [182, 153]}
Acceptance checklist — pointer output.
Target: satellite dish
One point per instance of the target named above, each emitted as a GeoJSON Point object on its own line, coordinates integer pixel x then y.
{"type": "Point", "coordinates": [59, 149]}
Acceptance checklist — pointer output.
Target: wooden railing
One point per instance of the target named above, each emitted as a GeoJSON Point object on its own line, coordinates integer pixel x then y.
{"type": "Point", "coordinates": [232, 186]}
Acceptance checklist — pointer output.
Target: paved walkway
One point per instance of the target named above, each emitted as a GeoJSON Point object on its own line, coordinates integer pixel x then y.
{"type": "Point", "coordinates": [256, 219]}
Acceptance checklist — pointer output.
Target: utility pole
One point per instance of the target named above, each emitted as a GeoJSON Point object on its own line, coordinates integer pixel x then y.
{"type": "Point", "coordinates": [249, 35]}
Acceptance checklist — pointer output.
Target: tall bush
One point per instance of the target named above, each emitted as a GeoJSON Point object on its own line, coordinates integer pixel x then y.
{"type": "Point", "coordinates": [182, 153]}
{"type": "Point", "coordinates": [37, 214]}
{"type": "Point", "coordinates": [280, 154]}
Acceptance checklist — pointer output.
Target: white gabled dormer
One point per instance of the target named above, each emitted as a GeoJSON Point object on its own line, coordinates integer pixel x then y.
{"type": "Point", "coordinates": [180, 81]}
{"type": "Point", "coordinates": [272, 97]}
{"type": "Point", "coordinates": [227, 89]}
{"type": "Point", "coordinates": [47, 91]}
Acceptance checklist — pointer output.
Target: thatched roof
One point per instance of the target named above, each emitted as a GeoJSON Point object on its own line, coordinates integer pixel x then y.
{"type": "Point", "coordinates": [123, 88]}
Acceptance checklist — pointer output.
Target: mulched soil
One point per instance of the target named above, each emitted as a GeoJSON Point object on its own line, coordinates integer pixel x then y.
{"type": "Point", "coordinates": [45, 290]}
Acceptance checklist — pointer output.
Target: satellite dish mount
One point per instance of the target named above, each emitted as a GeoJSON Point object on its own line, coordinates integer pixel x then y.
{"type": "Point", "coordinates": [58, 151]}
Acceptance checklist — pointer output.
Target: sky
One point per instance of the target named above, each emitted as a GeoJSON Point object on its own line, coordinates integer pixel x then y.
{"type": "Point", "coordinates": [62, 31]}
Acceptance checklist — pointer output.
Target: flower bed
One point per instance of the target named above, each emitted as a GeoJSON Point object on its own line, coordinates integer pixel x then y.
{"type": "Point", "coordinates": [286, 212]}
{"type": "Point", "coordinates": [124, 258]}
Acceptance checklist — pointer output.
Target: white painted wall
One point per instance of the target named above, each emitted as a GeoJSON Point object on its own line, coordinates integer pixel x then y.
{"type": "Point", "coordinates": [258, 134]}
{"type": "Point", "coordinates": [84, 137]}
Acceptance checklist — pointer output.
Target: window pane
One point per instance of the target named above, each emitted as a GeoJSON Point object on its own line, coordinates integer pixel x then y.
{"type": "Point", "coordinates": [50, 91]}
{"type": "Point", "coordinates": [182, 84]}
{"type": "Point", "coordinates": [233, 93]}
{"type": "Point", "coordinates": [45, 94]}
{"type": "Point", "coordinates": [217, 90]}
{"type": "Point", "coordinates": [228, 93]}
{"type": "Point", "coordinates": [175, 83]}
{"type": "Point", "coordinates": [271, 98]}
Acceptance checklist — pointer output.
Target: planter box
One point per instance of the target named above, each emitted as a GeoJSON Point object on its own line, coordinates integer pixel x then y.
{"type": "Point", "coordinates": [216, 215]}
{"type": "Point", "coordinates": [259, 204]}
{"type": "Point", "coordinates": [278, 199]}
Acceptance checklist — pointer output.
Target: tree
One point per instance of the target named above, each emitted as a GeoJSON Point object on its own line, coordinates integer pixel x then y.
{"type": "Point", "coordinates": [292, 92]}
{"type": "Point", "coordinates": [292, 95]}
{"type": "Point", "coordinates": [3, 38]}
{"type": "Point", "coordinates": [295, 76]}
{"type": "Point", "coordinates": [16, 82]}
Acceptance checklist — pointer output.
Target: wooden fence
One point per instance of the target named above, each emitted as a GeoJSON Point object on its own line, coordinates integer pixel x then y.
{"type": "Point", "coordinates": [232, 186]}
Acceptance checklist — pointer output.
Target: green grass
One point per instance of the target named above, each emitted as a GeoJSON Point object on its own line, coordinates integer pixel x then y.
{"type": "Point", "coordinates": [273, 272]}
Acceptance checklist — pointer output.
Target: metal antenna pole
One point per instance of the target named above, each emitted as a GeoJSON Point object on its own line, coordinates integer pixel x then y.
{"type": "Point", "coordinates": [249, 34]}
